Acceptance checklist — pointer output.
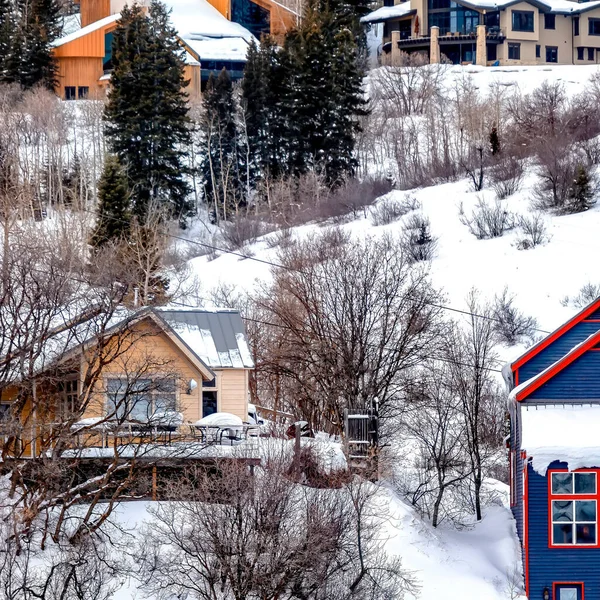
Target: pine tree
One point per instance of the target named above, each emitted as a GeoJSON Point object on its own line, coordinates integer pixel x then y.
{"type": "Point", "coordinates": [146, 118]}
{"type": "Point", "coordinates": [30, 60]}
{"type": "Point", "coordinates": [220, 165]}
{"type": "Point", "coordinates": [494, 141]}
{"type": "Point", "coordinates": [113, 216]}
{"type": "Point", "coordinates": [581, 195]}
{"type": "Point", "coordinates": [6, 34]}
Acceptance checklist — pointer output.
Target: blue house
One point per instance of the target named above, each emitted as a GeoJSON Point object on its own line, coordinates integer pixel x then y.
{"type": "Point", "coordinates": [555, 459]}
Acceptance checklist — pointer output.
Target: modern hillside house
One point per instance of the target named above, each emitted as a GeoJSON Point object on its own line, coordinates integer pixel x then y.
{"type": "Point", "coordinates": [215, 34]}
{"type": "Point", "coordinates": [554, 455]}
{"type": "Point", "coordinates": [489, 32]}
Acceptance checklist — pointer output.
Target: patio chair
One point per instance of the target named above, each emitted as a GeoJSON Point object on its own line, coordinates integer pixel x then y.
{"type": "Point", "coordinates": [231, 434]}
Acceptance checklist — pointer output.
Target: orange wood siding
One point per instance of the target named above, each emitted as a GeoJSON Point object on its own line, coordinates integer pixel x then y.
{"type": "Point", "coordinates": [223, 6]}
{"type": "Point", "coordinates": [233, 392]}
{"type": "Point", "coordinates": [94, 10]}
{"type": "Point", "coordinates": [79, 72]}
{"type": "Point", "coordinates": [88, 45]}
{"type": "Point", "coordinates": [193, 74]}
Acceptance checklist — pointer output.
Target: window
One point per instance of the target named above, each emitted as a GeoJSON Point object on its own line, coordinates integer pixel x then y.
{"type": "Point", "coordinates": [575, 25]}
{"type": "Point", "coordinates": [514, 51]}
{"type": "Point", "coordinates": [549, 21]}
{"type": "Point", "coordinates": [139, 400]}
{"type": "Point", "coordinates": [209, 398]}
{"type": "Point", "coordinates": [551, 54]}
{"type": "Point", "coordinates": [580, 53]}
{"type": "Point", "coordinates": [83, 92]}
{"type": "Point", "coordinates": [590, 54]}
{"type": "Point", "coordinates": [568, 591]}
{"type": "Point", "coordinates": [538, 51]}
{"type": "Point", "coordinates": [574, 514]}
{"type": "Point", "coordinates": [593, 26]}
{"type": "Point", "coordinates": [522, 20]}
{"type": "Point", "coordinates": [68, 404]}
{"type": "Point", "coordinates": [70, 92]}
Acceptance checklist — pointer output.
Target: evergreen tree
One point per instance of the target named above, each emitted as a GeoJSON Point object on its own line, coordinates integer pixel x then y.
{"type": "Point", "coordinates": [147, 123]}
{"type": "Point", "coordinates": [6, 34]}
{"type": "Point", "coordinates": [221, 160]}
{"type": "Point", "coordinates": [581, 195]}
{"type": "Point", "coordinates": [494, 141]}
{"type": "Point", "coordinates": [30, 61]}
{"type": "Point", "coordinates": [113, 216]}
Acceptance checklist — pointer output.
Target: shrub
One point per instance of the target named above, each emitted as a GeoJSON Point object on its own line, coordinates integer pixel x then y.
{"type": "Point", "coordinates": [533, 232]}
{"type": "Point", "coordinates": [488, 220]}
{"type": "Point", "coordinates": [587, 294]}
{"type": "Point", "coordinates": [511, 325]}
{"type": "Point", "coordinates": [282, 237]}
{"type": "Point", "coordinates": [389, 210]}
{"type": "Point", "coordinates": [506, 177]}
{"type": "Point", "coordinates": [417, 242]}
{"type": "Point", "coordinates": [242, 231]}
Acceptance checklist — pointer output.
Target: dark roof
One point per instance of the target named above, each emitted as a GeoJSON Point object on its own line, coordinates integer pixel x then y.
{"type": "Point", "coordinates": [217, 337]}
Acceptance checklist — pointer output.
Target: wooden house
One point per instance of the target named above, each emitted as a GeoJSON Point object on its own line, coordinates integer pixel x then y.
{"type": "Point", "coordinates": [554, 454]}
{"type": "Point", "coordinates": [211, 42]}
{"type": "Point", "coordinates": [99, 378]}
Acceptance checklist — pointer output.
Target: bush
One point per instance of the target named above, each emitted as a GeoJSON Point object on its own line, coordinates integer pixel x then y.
{"type": "Point", "coordinates": [533, 232]}
{"type": "Point", "coordinates": [242, 231]}
{"type": "Point", "coordinates": [511, 326]}
{"type": "Point", "coordinates": [282, 237]}
{"type": "Point", "coordinates": [488, 220]}
{"type": "Point", "coordinates": [506, 177]}
{"type": "Point", "coordinates": [417, 242]}
{"type": "Point", "coordinates": [587, 294]}
{"type": "Point", "coordinates": [389, 210]}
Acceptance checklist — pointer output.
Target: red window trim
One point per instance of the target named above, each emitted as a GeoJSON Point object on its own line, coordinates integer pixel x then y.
{"type": "Point", "coordinates": [555, 583]}
{"type": "Point", "coordinates": [565, 497]}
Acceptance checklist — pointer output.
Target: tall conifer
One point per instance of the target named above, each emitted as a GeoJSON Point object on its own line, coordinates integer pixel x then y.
{"type": "Point", "coordinates": [147, 123]}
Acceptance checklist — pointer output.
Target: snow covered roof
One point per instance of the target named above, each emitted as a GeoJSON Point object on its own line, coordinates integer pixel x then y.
{"type": "Point", "coordinates": [79, 33]}
{"type": "Point", "coordinates": [568, 433]}
{"type": "Point", "coordinates": [552, 6]}
{"type": "Point", "coordinates": [229, 48]}
{"type": "Point", "coordinates": [194, 19]}
{"type": "Point", "coordinates": [386, 13]}
{"type": "Point", "coordinates": [218, 337]}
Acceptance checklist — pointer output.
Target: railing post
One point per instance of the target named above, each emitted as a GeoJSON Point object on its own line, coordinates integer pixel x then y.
{"type": "Point", "coordinates": [481, 49]}
{"type": "Point", "coordinates": [434, 46]}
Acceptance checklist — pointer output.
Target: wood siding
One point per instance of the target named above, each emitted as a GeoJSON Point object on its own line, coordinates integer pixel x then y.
{"type": "Point", "coordinates": [78, 72]}
{"type": "Point", "coordinates": [233, 392]}
{"type": "Point", "coordinates": [94, 10]}
{"type": "Point", "coordinates": [193, 74]}
{"type": "Point", "coordinates": [223, 6]}
{"type": "Point", "coordinates": [548, 565]}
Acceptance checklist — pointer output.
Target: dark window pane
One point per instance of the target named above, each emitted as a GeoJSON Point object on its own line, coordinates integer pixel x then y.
{"type": "Point", "coordinates": [580, 53]}
{"type": "Point", "coordinates": [562, 511]}
{"type": "Point", "coordinates": [562, 483]}
{"type": "Point", "coordinates": [549, 21]}
{"type": "Point", "coordinates": [538, 50]}
{"type": "Point", "coordinates": [594, 26]}
{"type": "Point", "coordinates": [4, 412]}
{"type": "Point", "coordinates": [585, 483]}
{"type": "Point", "coordinates": [209, 403]}
{"type": "Point", "coordinates": [522, 20]}
{"type": "Point", "coordinates": [514, 51]}
{"type": "Point", "coordinates": [209, 384]}
{"type": "Point", "coordinates": [70, 92]}
{"type": "Point", "coordinates": [575, 25]}
{"type": "Point", "coordinates": [83, 92]}
{"type": "Point", "coordinates": [585, 533]}
{"type": "Point", "coordinates": [551, 54]}
{"type": "Point", "coordinates": [585, 510]}
{"type": "Point", "coordinates": [562, 533]}
{"type": "Point", "coordinates": [590, 53]}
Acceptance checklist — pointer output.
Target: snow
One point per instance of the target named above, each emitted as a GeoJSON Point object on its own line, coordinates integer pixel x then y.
{"type": "Point", "coordinates": [220, 419]}
{"type": "Point", "coordinates": [574, 427]}
{"type": "Point", "coordinates": [387, 12]}
{"type": "Point", "coordinates": [85, 30]}
{"type": "Point", "coordinates": [215, 48]}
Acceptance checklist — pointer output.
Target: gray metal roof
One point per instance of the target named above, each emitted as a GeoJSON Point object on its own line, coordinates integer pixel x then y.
{"type": "Point", "coordinates": [217, 337]}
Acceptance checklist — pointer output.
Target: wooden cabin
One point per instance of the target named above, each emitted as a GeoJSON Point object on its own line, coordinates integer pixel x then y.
{"type": "Point", "coordinates": [554, 455]}
{"type": "Point", "coordinates": [144, 367]}
{"type": "Point", "coordinates": [209, 39]}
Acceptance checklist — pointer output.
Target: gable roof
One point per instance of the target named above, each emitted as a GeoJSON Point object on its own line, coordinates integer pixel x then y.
{"type": "Point", "coordinates": [528, 387]}
{"type": "Point", "coordinates": [545, 342]}
{"type": "Point", "coordinates": [79, 33]}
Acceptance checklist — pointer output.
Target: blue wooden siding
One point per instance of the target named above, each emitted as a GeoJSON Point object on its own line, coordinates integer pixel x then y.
{"type": "Point", "coordinates": [557, 349]}
{"type": "Point", "coordinates": [578, 381]}
{"type": "Point", "coordinates": [547, 565]}
{"type": "Point", "coordinates": [594, 315]}
{"type": "Point", "coordinates": [517, 481]}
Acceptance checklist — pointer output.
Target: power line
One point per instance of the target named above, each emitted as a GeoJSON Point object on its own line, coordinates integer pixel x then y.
{"type": "Point", "coordinates": [284, 267]}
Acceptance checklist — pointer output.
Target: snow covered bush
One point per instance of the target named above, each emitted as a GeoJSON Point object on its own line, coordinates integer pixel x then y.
{"type": "Point", "coordinates": [510, 324]}
{"type": "Point", "coordinates": [242, 231]}
{"type": "Point", "coordinates": [533, 231]}
{"type": "Point", "coordinates": [417, 242]}
{"type": "Point", "coordinates": [389, 210]}
{"type": "Point", "coordinates": [506, 176]}
{"type": "Point", "coordinates": [587, 294]}
{"type": "Point", "coordinates": [488, 220]}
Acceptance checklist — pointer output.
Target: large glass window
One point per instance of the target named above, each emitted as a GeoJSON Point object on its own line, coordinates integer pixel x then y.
{"type": "Point", "coordinates": [514, 51]}
{"type": "Point", "coordinates": [580, 53]}
{"type": "Point", "coordinates": [549, 21]}
{"type": "Point", "coordinates": [522, 20]}
{"type": "Point", "coordinates": [141, 399]}
{"type": "Point", "coordinates": [590, 53]}
{"type": "Point", "coordinates": [451, 17]}
{"type": "Point", "coordinates": [593, 26]}
{"type": "Point", "coordinates": [107, 60]}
